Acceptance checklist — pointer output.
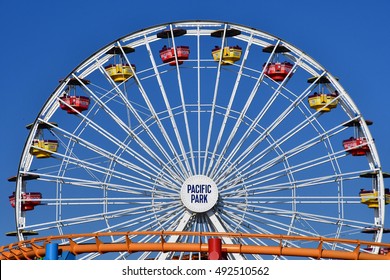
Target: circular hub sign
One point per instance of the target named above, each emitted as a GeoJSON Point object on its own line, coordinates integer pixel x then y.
{"type": "Point", "coordinates": [199, 193]}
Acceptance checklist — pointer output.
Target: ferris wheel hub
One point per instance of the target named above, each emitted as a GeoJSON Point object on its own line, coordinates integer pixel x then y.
{"type": "Point", "coordinates": [199, 193]}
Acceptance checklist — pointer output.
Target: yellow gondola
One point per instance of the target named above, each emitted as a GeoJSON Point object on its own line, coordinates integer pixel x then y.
{"type": "Point", "coordinates": [43, 148]}
{"type": "Point", "coordinates": [323, 102]}
{"type": "Point", "coordinates": [370, 197]}
{"type": "Point", "coordinates": [229, 54]}
{"type": "Point", "coordinates": [120, 72]}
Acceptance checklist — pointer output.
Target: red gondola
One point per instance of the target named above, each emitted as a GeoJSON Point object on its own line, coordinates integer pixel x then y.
{"type": "Point", "coordinates": [32, 199]}
{"type": "Point", "coordinates": [74, 104]}
{"type": "Point", "coordinates": [356, 146]}
{"type": "Point", "coordinates": [278, 71]}
{"type": "Point", "coordinates": [168, 54]}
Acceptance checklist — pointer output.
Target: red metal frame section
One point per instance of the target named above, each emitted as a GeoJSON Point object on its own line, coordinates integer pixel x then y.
{"type": "Point", "coordinates": [35, 248]}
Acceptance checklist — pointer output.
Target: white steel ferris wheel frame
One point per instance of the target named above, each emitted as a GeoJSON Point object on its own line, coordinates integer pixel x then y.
{"type": "Point", "coordinates": [168, 124]}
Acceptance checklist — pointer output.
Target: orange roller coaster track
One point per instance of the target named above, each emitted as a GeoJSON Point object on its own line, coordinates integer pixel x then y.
{"type": "Point", "coordinates": [35, 247]}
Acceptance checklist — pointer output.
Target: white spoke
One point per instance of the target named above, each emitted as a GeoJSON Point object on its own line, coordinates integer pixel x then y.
{"type": "Point", "coordinates": [186, 170]}
{"type": "Point", "coordinates": [180, 227]}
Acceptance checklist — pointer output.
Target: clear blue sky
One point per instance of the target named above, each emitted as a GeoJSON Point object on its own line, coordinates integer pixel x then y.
{"type": "Point", "coordinates": [42, 41]}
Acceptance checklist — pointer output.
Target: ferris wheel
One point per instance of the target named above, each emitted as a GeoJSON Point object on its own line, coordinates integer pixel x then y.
{"type": "Point", "coordinates": [200, 126]}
